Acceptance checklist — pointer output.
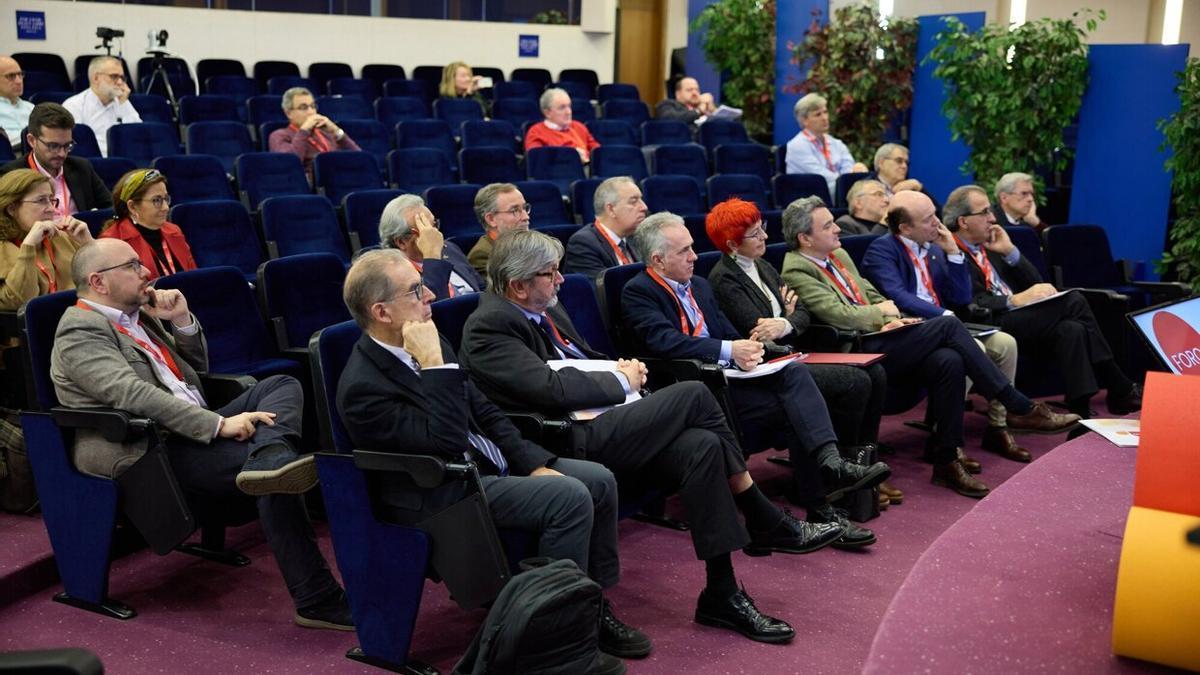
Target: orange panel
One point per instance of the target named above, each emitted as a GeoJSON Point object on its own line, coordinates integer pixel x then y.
{"type": "Point", "coordinates": [1168, 463]}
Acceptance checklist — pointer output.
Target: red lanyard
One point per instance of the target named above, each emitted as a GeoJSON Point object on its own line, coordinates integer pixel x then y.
{"type": "Point", "coordinates": [562, 340]}
{"type": "Point", "coordinates": [162, 355]}
{"type": "Point", "coordinates": [450, 292]}
{"type": "Point", "coordinates": [981, 261]}
{"type": "Point", "coordinates": [64, 204]}
{"type": "Point", "coordinates": [683, 320]}
{"type": "Point", "coordinates": [852, 293]}
{"type": "Point", "coordinates": [824, 144]}
{"type": "Point", "coordinates": [51, 278]}
{"type": "Point", "coordinates": [616, 249]}
{"type": "Point", "coordinates": [167, 257]}
{"type": "Point", "coordinates": [922, 265]}
{"type": "Point", "coordinates": [315, 138]}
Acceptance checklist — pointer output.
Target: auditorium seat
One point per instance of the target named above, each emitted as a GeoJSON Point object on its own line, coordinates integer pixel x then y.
{"type": "Point", "coordinates": [181, 85]}
{"type": "Point", "coordinates": [365, 89]}
{"type": "Point", "coordinates": [414, 88]}
{"type": "Point", "coordinates": [361, 210]}
{"type": "Point", "coordinates": [194, 177]}
{"type": "Point", "coordinates": [96, 218]}
{"type": "Point", "coordinates": [721, 132]}
{"type": "Point", "coordinates": [613, 132]}
{"type": "Point", "coordinates": [583, 76]}
{"type": "Point", "coordinates": [382, 72]}
{"type": "Point", "coordinates": [262, 175]}
{"type": "Point", "coordinates": [415, 170]}
{"type": "Point", "coordinates": [340, 108]}
{"type": "Point", "coordinates": [682, 160]}
{"type": "Point", "coordinates": [301, 295]}
{"type": "Point", "coordinates": [237, 88]}
{"type": "Point", "coordinates": [110, 169]}
{"type": "Point", "coordinates": [678, 194]}
{"type": "Point", "coordinates": [264, 108]}
{"type": "Point", "coordinates": [336, 174]}
{"type": "Point", "coordinates": [616, 90]}
{"type": "Point", "coordinates": [36, 82]}
{"type": "Point", "coordinates": [219, 233]}
{"type": "Point", "coordinates": [49, 96]}
{"type": "Point", "coordinates": [392, 109]}
{"type": "Point", "coordinates": [629, 110]}
{"type": "Point", "coordinates": [371, 136]}
{"type": "Point", "coordinates": [208, 108]}
{"type": "Point", "coordinates": [516, 111]}
{"type": "Point", "coordinates": [43, 62]}
{"type": "Point", "coordinates": [1080, 256]}
{"type": "Point", "coordinates": [454, 205]}
{"type": "Point", "coordinates": [516, 89]}
{"type": "Point", "coordinates": [843, 184]}
{"type": "Point", "coordinates": [435, 134]}
{"type": "Point", "coordinates": [560, 166]}
{"type": "Point", "coordinates": [619, 160]}
{"type": "Point", "coordinates": [496, 74]}
{"type": "Point", "coordinates": [489, 164]}
{"type": "Point", "coordinates": [85, 142]}
{"type": "Point", "coordinates": [582, 110]}
{"type": "Point", "coordinates": [171, 64]}
{"type": "Point", "coordinates": [562, 232]}
{"type": "Point", "coordinates": [322, 72]}
{"type": "Point", "coordinates": [546, 202]}
{"type": "Point", "coordinates": [583, 193]}
{"type": "Point", "coordinates": [856, 245]}
{"type": "Point", "coordinates": [665, 132]}
{"type": "Point", "coordinates": [450, 315]}
{"type": "Point", "coordinates": [576, 90]}
{"type": "Point", "coordinates": [302, 224]}
{"type": "Point", "coordinates": [789, 187]}
{"type": "Point", "coordinates": [281, 83]}
{"type": "Point", "coordinates": [746, 186]}
{"type": "Point", "coordinates": [538, 77]}
{"type": "Point", "coordinates": [750, 158]}
{"type": "Point", "coordinates": [206, 68]}
{"type": "Point", "coordinates": [265, 70]}
{"type": "Point", "coordinates": [431, 75]}
{"type": "Point", "coordinates": [455, 111]}
{"type": "Point", "coordinates": [142, 142]}
{"type": "Point", "coordinates": [153, 108]}
{"type": "Point", "coordinates": [226, 140]}
{"type": "Point", "coordinates": [493, 133]}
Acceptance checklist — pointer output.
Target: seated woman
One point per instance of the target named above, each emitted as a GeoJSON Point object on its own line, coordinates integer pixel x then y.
{"type": "Point", "coordinates": [758, 304]}
{"type": "Point", "coordinates": [459, 82]}
{"type": "Point", "coordinates": [38, 244]}
{"type": "Point", "coordinates": [140, 206]}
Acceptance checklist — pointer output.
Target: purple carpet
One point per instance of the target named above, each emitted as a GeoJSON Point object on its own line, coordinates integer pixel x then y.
{"type": "Point", "coordinates": [195, 614]}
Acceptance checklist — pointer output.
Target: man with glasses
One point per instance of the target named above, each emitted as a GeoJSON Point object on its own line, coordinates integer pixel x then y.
{"type": "Point", "coordinates": [106, 100]}
{"type": "Point", "coordinates": [1016, 201]}
{"type": "Point", "coordinates": [1002, 280]}
{"type": "Point", "coordinates": [308, 132]}
{"type": "Point", "coordinates": [603, 244]}
{"type": "Point", "coordinates": [868, 200]}
{"type": "Point", "coordinates": [112, 351]}
{"type": "Point", "coordinates": [891, 169]}
{"type": "Point", "coordinates": [14, 111]}
{"type": "Point", "coordinates": [409, 226]}
{"type": "Point", "coordinates": [500, 208]}
{"type": "Point", "coordinates": [76, 183]}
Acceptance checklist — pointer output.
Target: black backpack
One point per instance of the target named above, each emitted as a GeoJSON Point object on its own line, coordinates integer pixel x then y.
{"type": "Point", "coordinates": [545, 620]}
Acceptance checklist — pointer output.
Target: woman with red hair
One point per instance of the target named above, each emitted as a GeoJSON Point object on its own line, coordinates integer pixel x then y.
{"type": "Point", "coordinates": [755, 299]}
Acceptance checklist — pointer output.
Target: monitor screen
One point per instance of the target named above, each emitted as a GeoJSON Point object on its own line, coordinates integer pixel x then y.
{"type": "Point", "coordinates": [1171, 331]}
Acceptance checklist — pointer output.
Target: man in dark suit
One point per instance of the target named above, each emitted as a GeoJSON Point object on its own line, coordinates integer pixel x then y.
{"type": "Point", "coordinates": [672, 314]}
{"type": "Point", "coordinates": [689, 105]}
{"type": "Point", "coordinates": [604, 244]}
{"type": "Point", "coordinates": [75, 181]}
{"type": "Point", "coordinates": [409, 226]}
{"type": "Point", "coordinates": [675, 438]}
{"type": "Point", "coordinates": [1003, 281]}
{"type": "Point", "coordinates": [1016, 202]}
{"type": "Point", "coordinates": [921, 268]}
{"type": "Point", "coordinates": [402, 389]}
{"type": "Point", "coordinates": [868, 200]}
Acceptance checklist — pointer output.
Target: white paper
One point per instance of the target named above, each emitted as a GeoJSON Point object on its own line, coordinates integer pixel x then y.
{"type": "Point", "coordinates": [1040, 300]}
{"type": "Point", "coordinates": [762, 369]}
{"type": "Point", "coordinates": [593, 366]}
{"type": "Point", "coordinates": [1119, 431]}
{"type": "Point", "coordinates": [726, 113]}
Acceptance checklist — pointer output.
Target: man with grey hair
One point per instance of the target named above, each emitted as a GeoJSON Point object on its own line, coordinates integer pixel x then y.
{"type": "Point", "coordinates": [936, 353]}
{"type": "Point", "coordinates": [106, 100]}
{"type": "Point", "coordinates": [408, 225]}
{"type": "Point", "coordinates": [1016, 201]}
{"type": "Point", "coordinates": [891, 168]}
{"type": "Point", "coordinates": [813, 150]}
{"type": "Point", "coordinates": [402, 388]}
{"type": "Point", "coordinates": [675, 438]}
{"type": "Point", "coordinates": [500, 208]}
{"type": "Point", "coordinates": [604, 244]}
{"type": "Point", "coordinates": [558, 129]}
{"type": "Point", "coordinates": [868, 200]}
{"type": "Point", "coordinates": [308, 132]}
{"type": "Point", "coordinates": [674, 315]}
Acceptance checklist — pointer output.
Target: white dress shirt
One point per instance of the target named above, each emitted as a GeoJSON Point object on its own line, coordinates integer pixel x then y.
{"type": "Point", "coordinates": [87, 109]}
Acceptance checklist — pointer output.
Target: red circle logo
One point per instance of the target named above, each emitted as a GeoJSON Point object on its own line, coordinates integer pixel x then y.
{"type": "Point", "coordinates": [1178, 341]}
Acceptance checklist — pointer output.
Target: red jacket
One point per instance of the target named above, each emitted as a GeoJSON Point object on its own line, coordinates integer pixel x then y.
{"type": "Point", "coordinates": [181, 253]}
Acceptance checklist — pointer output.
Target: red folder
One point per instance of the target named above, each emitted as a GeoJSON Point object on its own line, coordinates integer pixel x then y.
{"type": "Point", "coordinates": [843, 358]}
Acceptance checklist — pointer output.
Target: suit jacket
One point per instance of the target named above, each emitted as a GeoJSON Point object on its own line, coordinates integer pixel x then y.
{"type": "Point", "coordinates": [389, 408]}
{"type": "Point", "coordinates": [436, 273]}
{"type": "Point", "coordinates": [1002, 218]}
{"type": "Point", "coordinates": [93, 365]}
{"type": "Point", "coordinates": [1018, 277]}
{"type": "Point", "coordinates": [88, 191]}
{"type": "Point", "coordinates": [824, 301]}
{"type": "Point", "coordinates": [480, 253]}
{"type": "Point", "coordinates": [670, 109]}
{"type": "Point", "coordinates": [851, 225]}
{"type": "Point", "coordinates": [887, 265]}
{"type": "Point", "coordinates": [506, 356]}
{"type": "Point", "coordinates": [742, 301]}
{"type": "Point", "coordinates": [589, 254]}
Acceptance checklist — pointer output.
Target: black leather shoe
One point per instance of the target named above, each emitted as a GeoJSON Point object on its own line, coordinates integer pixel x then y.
{"type": "Point", "coordinates": [848, 477]}
{"type": "Point", "coordinates": [619, 638]}
{"type": "Point", "coordinates": [332, 613]}
{"type": "Point", "coordinates": [793, 536]}
{"type": "Point", "coordinates": [853, 536]}
{"type": "Point", "coordinates": [607, 665]}
{"type": "Point", "coordinates": [1131, 402]}
{"type": "Point", "coordinates": [738, 613]}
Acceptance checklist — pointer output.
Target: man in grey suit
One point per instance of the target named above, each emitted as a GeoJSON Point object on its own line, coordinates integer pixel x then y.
{"type": "Point", "coordinates": [111, 351]}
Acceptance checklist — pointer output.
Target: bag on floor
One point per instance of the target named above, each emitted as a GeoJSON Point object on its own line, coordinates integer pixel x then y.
{"type": "Point", "coordinates": [17, 492]}
{"type": "Point", "coordinates": [545, 620]}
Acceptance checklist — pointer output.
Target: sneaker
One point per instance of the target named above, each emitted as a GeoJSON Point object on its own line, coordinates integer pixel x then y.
{"type": "Point", "coordinates": [619, 638]}
{"type": "Point", "coordinates": [276, 469]}
{"type": "Point", "coordinates": [333, 613]}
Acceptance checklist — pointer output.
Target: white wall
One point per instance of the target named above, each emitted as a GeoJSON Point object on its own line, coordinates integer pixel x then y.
{"type": "Point", "coordinates": [305, 38]}
{"type": "Point", "coordinates": [675, 30]}
{"type": "Point", "coordinates": [1126, 23]}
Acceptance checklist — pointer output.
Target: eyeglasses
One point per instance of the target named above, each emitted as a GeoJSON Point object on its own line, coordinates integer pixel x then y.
{"type": "Point", "coordinates": [115, 77]}
{"type": "Point", "coordinates": [550, 274]}
{"type": "Point", "coordinates": [757, 233]}
{"type": "Point", "coordinates": [57, 147]}
{"type": "Point", "coordinates": [899, 160]}
{"type": "Point", "coordinates": [14, 76]}
{"type": "Point", "coordinates": [44, 202]}
{"type": "Point", "coordinates": [417, 291]}
{"type": "Point", "coordinates": [515, 211]}
{"type": "Point", "coordinates": [980, 212]}
{"type": "Point", "coordinates": [159, 201]}
{"type": "Point", "coordinates": [134, 266]}
{"type": "Point", "coordinates": [1024, 193]}
{"type": "Point", "coordinates": [305, 107]}
{"type": "Point", "coordinates": [876, 193]}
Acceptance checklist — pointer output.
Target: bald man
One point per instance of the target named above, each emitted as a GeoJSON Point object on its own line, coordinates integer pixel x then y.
{"type": "Point", "coordinates": [111, 351]}
{"type": "Point", "coordinates": [14, 111]}
{"type": "Point", "coordinates": [689, 105]}
{"type": "Point", "coordinates": [106, 100]}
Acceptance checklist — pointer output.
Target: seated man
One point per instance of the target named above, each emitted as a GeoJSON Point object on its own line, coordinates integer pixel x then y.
{"type": "Point", "coordinates": [111, 351]}
{"type": "Point", "coordinates": [1002, 280]}
{"type": "Point", "coordinates": [14, 110]}
{"type": "Point", "coordinates": [604, 244]}
{"type": "Point", "coordinates": [75, 181]}
{"type": "Point", "coordinates": [408, 225]}
{"type": "Point", "coordinates": [675, 439]}
{"type": "Point", "coordinates": [558, 129]}
{"type": "Point", "coordinates": [924, 280]}
{"type": "Point", "coordinates": [939, 353]}
{"type": "Point", "coordinates": [402, 390]}
{"type": "Point", "coordinates": [813, 150]}
{"type": "Point", "coordinates": [891, 169]}
{"type": "Point", "coordinates": [689, 105]}
{"type": "Point", "coordinates": [500, 207]}
{"type": "Point", "coordinates": [675, 315]}
{"type": "Point", "coordinates": [308, 132]}
{"type": "Point", "coordinates": [1016, 201]}
{"type": "Point", "coordinates": [106, 100]}
{"type": "Point", "coordinates": [868, 200]}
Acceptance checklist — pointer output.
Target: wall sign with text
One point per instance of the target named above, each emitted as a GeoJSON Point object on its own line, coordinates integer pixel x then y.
{"type": "Point", "coordinates": [527, 46]}
{"type": "Point", "coordinates": [31, 25]}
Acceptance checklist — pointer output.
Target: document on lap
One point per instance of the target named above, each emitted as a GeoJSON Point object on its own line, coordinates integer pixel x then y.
{"type": "Point", "coordinates": [763, 369]}
{"type": "Point", "coordinates": [1039, 301]}
{"type": "Point", "coordinates": [595, 366]}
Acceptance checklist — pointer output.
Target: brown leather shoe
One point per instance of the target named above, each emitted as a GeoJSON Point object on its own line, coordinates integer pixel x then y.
{"type": "Point", "coordinates": [883, 502]}
{"type": "Point", "coordinates": [894, 496]}
{"type": "Point", "coordinates": [999, 441]}
{"type": "Point", "coordinates": [955, 477]}
{"type": "Point", "coordinates": [971, 465]}
{"type": "Point", "coordinates": [1042, 420]}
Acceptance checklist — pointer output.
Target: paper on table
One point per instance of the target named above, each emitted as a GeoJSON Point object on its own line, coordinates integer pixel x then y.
{"type": "Point", "coordinates": [766, 368]}
{"type": "Point", "coordinates": [1120, 431]}
{"type": "Point", "coordinates": [593, 366]}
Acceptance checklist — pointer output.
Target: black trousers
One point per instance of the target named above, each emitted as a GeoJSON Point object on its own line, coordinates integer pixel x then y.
{"type": "Point", "coordinates": [854, 397]}
{"type": "Point", "coordinates": [1067, 327]}
{"type": "Point", "coordinates": [676, 439]}
{"type": "Point", "coordinates": [209, 471]}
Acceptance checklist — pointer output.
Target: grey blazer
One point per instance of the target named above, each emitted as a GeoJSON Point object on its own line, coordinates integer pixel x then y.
{"type": "Point", "coordinates": [93, 365]}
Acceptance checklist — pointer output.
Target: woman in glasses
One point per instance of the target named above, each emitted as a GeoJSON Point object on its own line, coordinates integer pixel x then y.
{"type": "Point", "coordinates": [38, 244]}
{"type": "Point", "coordinates": [140, 207]}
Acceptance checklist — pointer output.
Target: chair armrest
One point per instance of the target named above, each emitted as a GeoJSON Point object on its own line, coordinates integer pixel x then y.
{"type": "Point", "coordinates": [10, 325]}
{"type": "Point", "coordinates": [117, 426]}
{"type": "Point", "coordinates": [663, 372]}
{"type": "Point", "coordinates": [826, 338]}
{"type": "Point", "coordinates": [426, 471]}
{"type": "Point", "coordinates": [549, 433]}
{"type": "Point", "coordinates": [220, 388]}
{"type": "Point", "coordinates": [1167, 289]}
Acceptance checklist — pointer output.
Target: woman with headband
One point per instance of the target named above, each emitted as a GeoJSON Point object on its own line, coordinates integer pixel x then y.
{"type": "Point", "coordinates": [140, 207]}
{"type": "Point", "coordinates": [38, 244]}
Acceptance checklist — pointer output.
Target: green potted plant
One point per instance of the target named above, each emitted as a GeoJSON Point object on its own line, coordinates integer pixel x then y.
{"type": "Point", "coordinates": [739, 41]}
{"type": "Point", "coordinates": [1182, 131]}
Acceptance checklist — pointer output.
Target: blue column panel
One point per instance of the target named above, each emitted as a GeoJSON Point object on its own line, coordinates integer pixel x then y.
{"type": "Point", "coordinates": [697, 66]}
{"type": "Point", "coordinates": [792, 19]}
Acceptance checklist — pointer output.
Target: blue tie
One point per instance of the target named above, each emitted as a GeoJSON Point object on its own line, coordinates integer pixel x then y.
{"type": "Point", "coordinates": [482, 444]}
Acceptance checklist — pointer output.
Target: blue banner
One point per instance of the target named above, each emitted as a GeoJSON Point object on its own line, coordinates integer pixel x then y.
{"type": "Point", "coordinates": [527, 46]}
{"type": "Point", "coordinates": [31, 25]}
